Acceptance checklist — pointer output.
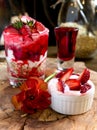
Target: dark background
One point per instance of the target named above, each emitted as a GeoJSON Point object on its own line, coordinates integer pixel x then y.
{"type": "Point", "coordinates": [39, 9]}
{"type": "Point", "coordinates": [42, 11]}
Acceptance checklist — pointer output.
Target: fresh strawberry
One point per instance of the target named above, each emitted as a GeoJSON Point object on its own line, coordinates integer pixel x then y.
{"type": "Point", "coordinates": [73, 84]}
{"type": "Point", "coordinates": [67, 74]}
{"type": "Point", "coordinates": [85, 75]}
{"type": "Point", "coordinates": [39, 26]}
{"type": "Point", "coordinates": [60, 74]}
{"type": "Point", "coordinates": [60, 86]}
{"type": "Point", "coordinates": [11, 30]}
{"type": "Point", "coordinates": [25, 30]}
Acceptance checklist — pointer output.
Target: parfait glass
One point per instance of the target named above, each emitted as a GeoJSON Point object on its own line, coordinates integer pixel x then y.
{"type": "Point", "coordinates": [26, 50]}
{"type": "Point", "coordinates": [66, 45]}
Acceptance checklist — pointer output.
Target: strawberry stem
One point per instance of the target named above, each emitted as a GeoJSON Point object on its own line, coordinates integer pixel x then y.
{"type": "Point", "coordinates": [50, 77]}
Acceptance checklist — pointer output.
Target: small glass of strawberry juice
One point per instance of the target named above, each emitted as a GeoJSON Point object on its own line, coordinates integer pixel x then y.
{"type": "Point", "coordinates": [66, 44]}
{"type": "Point", "coordinates": [26, 45]}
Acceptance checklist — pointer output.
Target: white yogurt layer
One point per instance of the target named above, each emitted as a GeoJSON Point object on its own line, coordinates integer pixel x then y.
{"type": "Point", "coordinates": [20, 67]}
{"type": "Point", "coordinates": [31, 64]}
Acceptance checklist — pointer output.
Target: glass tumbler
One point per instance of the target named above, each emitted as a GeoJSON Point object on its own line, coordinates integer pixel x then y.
{"type": "Point", "coordinates": [66, 45]}
{"type": "Point", "coordinates": [26, 51]}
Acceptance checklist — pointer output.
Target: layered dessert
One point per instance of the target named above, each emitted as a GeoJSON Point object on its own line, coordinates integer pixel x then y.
{"type": "Point", "coordinates": [26, 44]}
{"type": "Point", "coordinates": [71, 93]}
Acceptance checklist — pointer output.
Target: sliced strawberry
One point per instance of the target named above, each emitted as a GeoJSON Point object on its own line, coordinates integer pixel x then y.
{"type": "Point", "coordinates": [25, 30]}
{"type": "Point", "coordinates": [67, 74]}
{"type": "Point", "coordinates": [85, 75]}
{"type": "Point", "coordinates": [73, 84]}
{"type": "Point", "coordinates": [60, 74]}
{"type": "Point", "coordinates": [60, 86]}
{"type": "Point", "coordinates": [11, 30]}
{"type": "Point", "coordinates": [39, 26]}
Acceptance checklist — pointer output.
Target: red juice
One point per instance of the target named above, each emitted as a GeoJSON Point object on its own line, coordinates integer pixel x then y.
{"type": "Point", "coordinates": [26, 49]}
{"type": "Point", "coordinates": [66, 41]}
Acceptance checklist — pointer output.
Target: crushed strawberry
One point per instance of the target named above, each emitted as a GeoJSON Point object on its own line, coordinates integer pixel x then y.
{"type": "Point", "coordinates": [84, 88]}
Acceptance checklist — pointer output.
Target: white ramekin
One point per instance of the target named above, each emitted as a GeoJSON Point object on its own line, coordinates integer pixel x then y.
{"type": "Point", "coordinates": [70, 103]}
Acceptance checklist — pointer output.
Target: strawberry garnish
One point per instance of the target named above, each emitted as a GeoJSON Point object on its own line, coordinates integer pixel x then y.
{"type": "Point", "coordinates": [60, 86]}
{"type": "Point", "coordinates": [84, 88]}
{"type": "Point", "coordinates": [25, 30]}
{"type": "Point", "coordinates": [85, 75]}
{"type": "Point", "coordinates": [77, 82]}
{"type": "Point", "coordinates": [39, 26]}
{"type": "Point", "coordinates": [73, 84]}
{"type": "Point", "coordinates": [67, 74]}
{"type": "Point", "coordinates": [64, 74]}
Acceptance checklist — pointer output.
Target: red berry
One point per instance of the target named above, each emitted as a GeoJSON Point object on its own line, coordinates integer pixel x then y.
{"type": "Point", "coordinates": [84, 88]}
{"type": "Point", "coordinates": [73, 84]}
{"type": "Point", "coordinates": [60, 74]}
{"type": "Point", "coordinates": [25, 30]}
{"type": "Point", "coordinates": [39, 26]}
{"type": "Point", "coordinates": [85, 75]}
{"type": "Point", "coordinates": [60, 86]}
{"type": "Point", "coordinates": [64, 75]}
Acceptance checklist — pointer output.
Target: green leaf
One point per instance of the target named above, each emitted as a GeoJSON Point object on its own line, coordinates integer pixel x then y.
{"type": "Point", "coordinates": [18, 24]}
{"type": "Point", "coordinates": [30, 23]}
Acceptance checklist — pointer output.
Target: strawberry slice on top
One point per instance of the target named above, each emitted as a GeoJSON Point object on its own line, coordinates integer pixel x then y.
{"type": "Point", "coordinates": [60, 86]}
{"type": "Point", "coordinates": [77, 82]}
{"type": "Point", "coordinates": [84, 76]}
{"type": "Point", "coordinates": [67, 74]}
{"type": "Point", "coordinates": [73, 84]}
{"type": "Point", "coordinates": [62, 77]}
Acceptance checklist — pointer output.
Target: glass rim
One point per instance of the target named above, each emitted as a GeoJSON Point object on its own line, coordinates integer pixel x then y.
{"type": "Point", "coordinates": [67, 28]}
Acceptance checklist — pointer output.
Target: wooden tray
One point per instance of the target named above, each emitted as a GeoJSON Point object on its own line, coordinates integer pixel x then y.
{"type": "Point", "coordinates": [47, 119]}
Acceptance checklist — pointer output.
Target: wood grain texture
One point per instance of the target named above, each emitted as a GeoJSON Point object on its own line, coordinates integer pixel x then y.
{"type": "Point", "coordinates": [47, 119]}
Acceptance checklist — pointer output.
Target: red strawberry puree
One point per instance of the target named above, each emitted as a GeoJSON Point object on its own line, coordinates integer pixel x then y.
{"type": "Point", "coordinates": [26, 49]}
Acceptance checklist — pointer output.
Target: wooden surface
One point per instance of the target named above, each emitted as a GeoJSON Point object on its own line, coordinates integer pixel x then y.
{"type": "Point", "coordinates": [47, 119]}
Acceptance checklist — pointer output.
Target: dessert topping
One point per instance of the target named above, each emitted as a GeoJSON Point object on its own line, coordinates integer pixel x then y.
{"type": "Point", "coordinates": [84, 88]}
{"type": "Point", "coordinates": [19, 24]}
{"type": "Point", "coordinates": [65, 74]}
{"type": "Point", "coordinates": [85, 75]}
{"type": "Point", "coordinates": [74, 81]}
{"type": "Point", "coordinates": [73, 84]}
{"type": "Point", "coordinates": [61, 86]}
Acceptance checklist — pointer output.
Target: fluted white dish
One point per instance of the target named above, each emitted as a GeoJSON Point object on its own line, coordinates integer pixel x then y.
{"type": "Point", "coordinates": [70, 102]}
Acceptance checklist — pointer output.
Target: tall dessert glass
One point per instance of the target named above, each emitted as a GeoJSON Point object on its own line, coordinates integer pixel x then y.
{"type": "Point", "coordinates": [26, 44]}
